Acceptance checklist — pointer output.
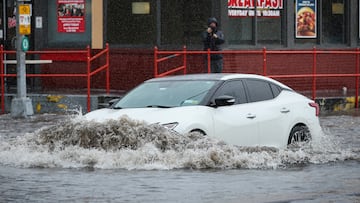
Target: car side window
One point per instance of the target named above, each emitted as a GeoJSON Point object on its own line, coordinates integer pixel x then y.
{"type": "Point", "coordinates": [233, 88]}
{"type": "Point", "coordinates": [259, 90]}
{"type": "Point", "coordinates": [275, 89]}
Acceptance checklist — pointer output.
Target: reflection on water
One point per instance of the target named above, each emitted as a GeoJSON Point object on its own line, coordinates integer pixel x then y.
{"type": "Point", "coordinates": [73, 142]}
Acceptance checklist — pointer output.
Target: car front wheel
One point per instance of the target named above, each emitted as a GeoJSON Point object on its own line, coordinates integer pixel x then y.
{"type": "Point", "coordinates": [299, 134]}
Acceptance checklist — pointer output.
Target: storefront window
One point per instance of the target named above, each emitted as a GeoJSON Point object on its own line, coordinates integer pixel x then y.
{"type": "Point", "coordinates": [262, 23]}
{"type": "Point", "coordinates": [183, 21]}
{"type": "Point", "coordinates": [333, 21]}
{"type": "Point", "coordinates": [269, 30]}
{"type": "Point", "coordinates": [126, 27]}
{"type": "Point", "coordinates": [241, 31]}
{"type": "Point", "coordinates": [69, 23]}
{"type": "Point", "coordinates": [330, 22]}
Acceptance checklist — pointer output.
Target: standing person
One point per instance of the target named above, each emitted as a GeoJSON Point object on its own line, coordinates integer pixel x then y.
{"type": "Point", "coordinates": [212, 39]}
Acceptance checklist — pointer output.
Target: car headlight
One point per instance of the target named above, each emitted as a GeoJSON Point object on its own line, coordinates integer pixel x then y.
{"type": "Point", "coordinates": [170, 126]}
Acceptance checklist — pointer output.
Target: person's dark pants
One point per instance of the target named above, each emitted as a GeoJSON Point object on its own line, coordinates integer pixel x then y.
{"type": "Point", "coordinates": [216, 66]}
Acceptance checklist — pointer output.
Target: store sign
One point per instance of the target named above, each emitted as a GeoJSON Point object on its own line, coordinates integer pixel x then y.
{"type": "Point", "coordinates": [250, 8]}
{"type": "Point", "coordinates": [305, 25]}
{"type": "Point", "coordinates": [71, 16]}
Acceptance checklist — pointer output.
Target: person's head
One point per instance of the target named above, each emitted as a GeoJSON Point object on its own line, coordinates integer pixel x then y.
{"type": "Point", "coordinates": [212, 22]}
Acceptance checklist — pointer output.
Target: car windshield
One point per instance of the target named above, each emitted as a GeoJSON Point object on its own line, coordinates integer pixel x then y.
{"type": "Point", "coordinates": [166, 94]}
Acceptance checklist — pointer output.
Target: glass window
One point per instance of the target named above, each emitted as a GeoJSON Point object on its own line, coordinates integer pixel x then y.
{"type": "Point", "coordinates": [70, 39]}
{"type": "Point", "coordinates": [269, 30]}
{"type": "Point", "coordinates": [166, 94]}
{"type": "Point", "coordinates": [259, 90]}
{"type": "Point", "coordinates": [233, 88]}
{"type": "Point", "coordinates": [126, 28]}
{"type": "Point", "coordinates": [241, 31]}
{"type": "Point", "coordinates": [266, 27]}
{"type": "Point", "coordinates": [275, 89]}
{"type": "Point", "coordinates": [333, 21]}
{"type": "Point", "coordinates": [331, 15]}
{"type": "Point", "coordinates": [182, 21]}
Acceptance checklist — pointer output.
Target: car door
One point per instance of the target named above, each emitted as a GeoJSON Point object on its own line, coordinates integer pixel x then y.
{"type": "Point", "coordinates": [235, 124]}
{"type": "Point", "coordinates": [272, 113]}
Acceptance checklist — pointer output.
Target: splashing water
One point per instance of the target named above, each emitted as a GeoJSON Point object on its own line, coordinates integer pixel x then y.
{"type": "Point", "coordinates": [129, 144]}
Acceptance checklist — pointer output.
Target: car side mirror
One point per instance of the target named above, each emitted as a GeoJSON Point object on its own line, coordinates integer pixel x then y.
{"type": "Point", "coordinates": [113, 101]}
{"type": "Point", "coordinates": [224, 100]}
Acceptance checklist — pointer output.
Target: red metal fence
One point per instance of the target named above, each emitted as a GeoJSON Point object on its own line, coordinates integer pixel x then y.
{"type": "Point", "coordinates": [162, 56]}
{"type": "Point", "coordinates": [83, 56]}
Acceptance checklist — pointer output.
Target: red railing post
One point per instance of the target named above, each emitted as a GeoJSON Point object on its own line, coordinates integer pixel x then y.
{"type": "Point", "coordinates": [107, 69]}
{"type": "Point", "coordinates": [357, 79]}
{"type": "Point", "coordinates": [208, 61]}
{"type": "Point", "coordinates": [184, 50]}
{"type": "Point", "coordinates": [2, 72]}
{"type": "Point", "coordinates": [314, 74]}
{"type": "Point", "coordinates": [88, 78]}
{"type": "Point", "coordinates": [264, 61]}
{"type": "Point", "coordinates": [155, 62]}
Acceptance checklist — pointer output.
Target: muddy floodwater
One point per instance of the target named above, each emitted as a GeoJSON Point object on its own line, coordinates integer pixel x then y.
{"type": "Point", "coordinates": [63, 158]}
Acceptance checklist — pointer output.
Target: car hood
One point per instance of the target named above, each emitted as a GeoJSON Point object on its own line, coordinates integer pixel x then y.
{"type": "Point", "coordinates": [150, 115]}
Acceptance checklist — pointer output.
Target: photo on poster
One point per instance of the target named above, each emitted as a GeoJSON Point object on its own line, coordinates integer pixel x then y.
{"type": "Point", "coordinates": [71, 16]}
{"type": "Point", "coordinates": [306, 23]}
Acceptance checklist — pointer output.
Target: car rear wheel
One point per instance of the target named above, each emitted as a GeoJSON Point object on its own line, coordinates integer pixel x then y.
{"type": "Point", "coordinates": [299, 134]}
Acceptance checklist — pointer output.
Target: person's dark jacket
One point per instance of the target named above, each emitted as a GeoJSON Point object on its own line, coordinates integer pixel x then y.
{"type": "Point", "coordinates": [212, 43]}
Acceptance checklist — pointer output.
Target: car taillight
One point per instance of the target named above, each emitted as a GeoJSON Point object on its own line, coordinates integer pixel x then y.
{"type": "Point", "coordinates": [316, 106]}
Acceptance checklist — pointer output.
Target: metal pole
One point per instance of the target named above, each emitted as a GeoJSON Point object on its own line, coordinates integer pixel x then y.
{"type": "Point", "coordinates": [5, 21]}
{"type": "Point", "coordinates": [21, 106]}
{"type": "Point", "coordinates": [155, 62]}
{"type": "Point", "coordinates": [184, 60]}
{"type": "Point", "coordinates": [88, 78]}
{"type": "Point", "coordinates": [158, 22]}
{"type": "Point", "coordinates": [314, 75]}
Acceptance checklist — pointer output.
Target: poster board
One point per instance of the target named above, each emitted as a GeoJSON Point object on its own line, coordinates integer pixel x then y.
{"type": "Point", "coordinates": [305, 19]}
{"type": "Point", "coordinates": [71, 16]}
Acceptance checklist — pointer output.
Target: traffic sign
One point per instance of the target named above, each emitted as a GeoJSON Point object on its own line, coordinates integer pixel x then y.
{"type": "Point", "coordinates": [24, 24]}
{"type": "Point", "coordinates": [25, 44]}
{"type": "Point", "coordinates": [24, 9]}
{"type": "Point", "coordinates": [24, 19]}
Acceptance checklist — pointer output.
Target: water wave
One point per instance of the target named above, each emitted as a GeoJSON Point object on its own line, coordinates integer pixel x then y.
{"type": "Point", "coordinates": [129, 144]}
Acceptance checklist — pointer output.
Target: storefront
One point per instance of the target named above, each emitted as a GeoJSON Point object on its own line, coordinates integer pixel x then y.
{"type": "Point", "coordinates": [246, 24]}
{"type": "Point", "coordinates": [144, 24]}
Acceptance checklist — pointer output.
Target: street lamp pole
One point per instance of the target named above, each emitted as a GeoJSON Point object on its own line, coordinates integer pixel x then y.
{"type": "Point", "coordinates": [21, 106]}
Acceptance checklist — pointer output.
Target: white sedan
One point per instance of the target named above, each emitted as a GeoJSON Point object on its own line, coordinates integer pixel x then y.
{"type": "Point", "coordinates": [240, 109]}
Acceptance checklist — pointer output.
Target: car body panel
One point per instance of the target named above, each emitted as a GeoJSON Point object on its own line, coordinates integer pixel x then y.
{"type": "Point", "coordinates": [202, 119]}
{"type": "Point", "coordinates": [245, 134]}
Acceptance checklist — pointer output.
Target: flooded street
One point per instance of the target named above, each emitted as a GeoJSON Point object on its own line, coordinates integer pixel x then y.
{"type": "Point", "coordinates": [59, 158]}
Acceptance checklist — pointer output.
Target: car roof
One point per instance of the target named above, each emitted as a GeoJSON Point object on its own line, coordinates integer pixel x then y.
{"type": "Point", "coordinates": [216, 76]}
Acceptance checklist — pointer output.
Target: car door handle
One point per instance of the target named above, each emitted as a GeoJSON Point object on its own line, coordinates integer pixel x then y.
{"type": "Point", "coordinates": [285, 110]}
{"type": "Point", "coordinates": [251, 116]}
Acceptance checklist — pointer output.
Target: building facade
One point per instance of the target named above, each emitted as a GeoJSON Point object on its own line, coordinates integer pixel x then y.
{"type": "Point", "coordinates": [134, 27]}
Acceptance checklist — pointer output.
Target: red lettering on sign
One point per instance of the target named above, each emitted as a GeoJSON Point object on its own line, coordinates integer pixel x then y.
{"type": "Point", "coordinates": [247, 3]}
{"type": "Point", "coordinates": [269, 4]}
